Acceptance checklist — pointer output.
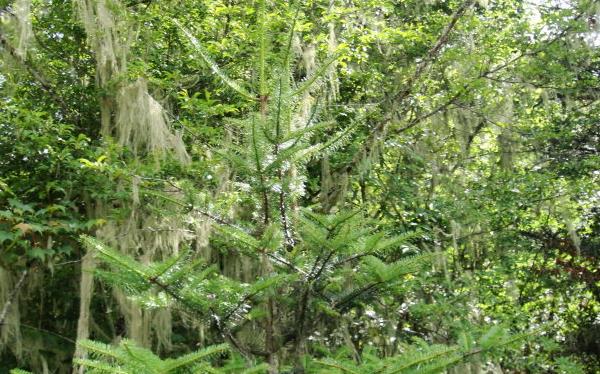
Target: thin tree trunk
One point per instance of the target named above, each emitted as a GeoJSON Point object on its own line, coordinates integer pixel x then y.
{"type": "Point", "coordinates": [12, 296]}
{"type": "Point", "coordinates": [86, 290]}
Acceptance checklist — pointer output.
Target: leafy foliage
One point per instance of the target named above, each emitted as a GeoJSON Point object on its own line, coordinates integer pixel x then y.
{"type": "Point", "coordinates": [309, 187]}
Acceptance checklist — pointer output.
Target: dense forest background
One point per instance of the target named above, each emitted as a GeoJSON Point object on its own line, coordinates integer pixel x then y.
{"type": "Point", "coordinates": [317, 186]}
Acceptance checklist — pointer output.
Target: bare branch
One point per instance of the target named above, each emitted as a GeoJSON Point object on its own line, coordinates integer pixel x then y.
{"type": "Point", "coordinates": [12, 296]}
{"type": "Point", "coordinates": [381, 128]}
{"type": "Point", "coordinates": [43, 82]}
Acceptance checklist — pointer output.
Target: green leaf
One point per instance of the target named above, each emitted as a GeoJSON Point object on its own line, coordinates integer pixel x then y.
{"type": "Point", "coordinates": [18, 205]}
{"type": "Point", "coordinates": [6, 235]}
{"type": "Point", "coordinates": [38, 253]}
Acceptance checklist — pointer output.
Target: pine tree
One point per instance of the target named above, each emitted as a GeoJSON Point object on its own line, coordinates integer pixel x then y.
{"type": "Point", "coordinates": [307, 272]}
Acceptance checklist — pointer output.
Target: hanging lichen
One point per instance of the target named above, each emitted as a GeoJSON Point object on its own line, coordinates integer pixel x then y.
{"type": "Point", "coordinates": [140, 122]}
{"type": "Point", "coordinates": [22, 12]}
{"type": "Point", "coordinates": [464, 123]}
{"type": "Point", "coordinates": [569, 219]}
{"type": "Point", "coordinates": [506, 149]}
{"type": "Point", "coordinates": [309, 56]}
{"type": "Point", "coordinates": [507, 144]}
{"type": "Point", "coordinates": [455, 234]}
{"type": "Point", "coordinates": [107, 34]}
{"type": "Point", "coordinates": [150, 238]}
{"type": "Point", "coordinates": [86, 290]}
{"type": "Point", "coordinates": [573, 235]}
{"type": "Point", "coordinates": [10, 331]}
{"type": "Point", "coordinates": [202, 232]}
{"type": "Point", "coordinates": [332, 45]}
{"type": "Point", "coordinates": [121, 235]}
{"type": "Point", "coordinates": [135, 190]}
{"type": "Point", "coordinates": [162, 326]}
{"type": "Point", "coordinates": [137, 320]}
{"type": "Point", "coordinates": [441, 261]}
{"type": "Point", "coordinates": [108, 38]}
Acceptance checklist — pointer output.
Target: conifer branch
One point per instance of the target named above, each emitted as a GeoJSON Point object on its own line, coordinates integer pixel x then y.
{"type": "Point", "coordinates": [320, 72]}
{"type": "Point", "coordinates": [259, 170]}
{"type": "Point", "coordinates": [262, 49]}
{"type": "Point", "coordinates": [285, 224]}
{"type": "Point", "coordinates": [213, 65]}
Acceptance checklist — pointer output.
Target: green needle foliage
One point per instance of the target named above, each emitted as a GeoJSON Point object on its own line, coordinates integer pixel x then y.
{"type": "Point", "coordinates": [424, 358]}
{"type": "Point", "coordinates": [128, 358]}
{"type": "Point", "coordinates": [331, 252]}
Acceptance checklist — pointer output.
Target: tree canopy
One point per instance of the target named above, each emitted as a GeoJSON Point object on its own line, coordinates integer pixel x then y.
{"type": "Point", "coordinates": [318, 186]}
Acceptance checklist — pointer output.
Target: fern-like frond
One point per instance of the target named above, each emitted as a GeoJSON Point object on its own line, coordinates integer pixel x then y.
{"type": "Point", "coordinates": [258, 369]}
{"type": "Point", "coordinates": [139, 357]}
{"type": "Point", "coordinates": [387, 244]}
{"type": "Point", "coordinates": [192, 358]}
{"type": "Point", "coordinates": [338, 139]}
{"type": "Point", "coordinates": [321, 71]}
{"type": "Point", "coordinates": [238, 162]}
{"type": "Point", "coordinates": [292, 155]}
{"type": "Point", "coordinates": [417, 357]}
{"type": "Point", "coordinates": [94, 366]}
{"type": "Point", "coordinates": [339, 366]}
{"type": "Point", "coordinates": [113, 257]}
{"type": "Point", "coordinates": [437, 365]}
{"type": "Point", "coordinates": [205, 368]}
{"type": "Point", "coordinates": [185, 269]}
{"type": "Point", "coordinates": [270, 283]}
{"type": "Point", "coordinates": [159, 269]}
{"type": "Point", "coordinates": [246, 243]}
{"type": "Point", "coordinates": [214, 66]}
{"type": "Point", "coordinates": [128, 358]}
{"type": "Point", "coordinates": [263, 36]}
{"type": "Point", "coordinates": [98, 349]}
{"type": "Point", "coordinates": [492, 337]}
{"type": "Point", "coordinates": [306, 131]}
{"type": "Point", "coordinates": [129, 282]}
{"type": "Point", "coordinates": [409, 265]}
{"type": "Point", "coordinates": [304, 153]}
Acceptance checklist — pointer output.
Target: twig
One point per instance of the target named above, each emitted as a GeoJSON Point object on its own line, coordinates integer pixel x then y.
{"type": "Point", "coordinates": [381, 128]}
{"type": "Point", "coordinates": [12, 296]}
{"type": "Point", "coordinates": [37, 75]}
{"type": "Point", "coordinates": [65, 338]}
